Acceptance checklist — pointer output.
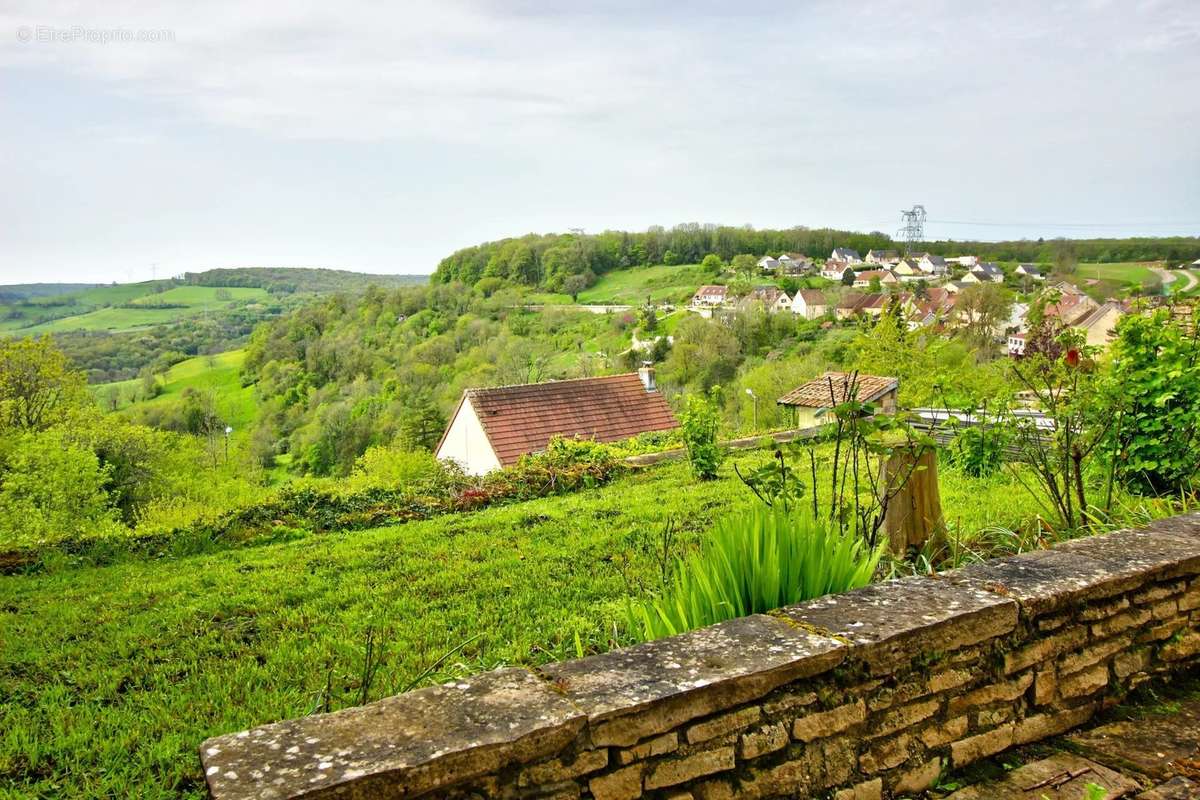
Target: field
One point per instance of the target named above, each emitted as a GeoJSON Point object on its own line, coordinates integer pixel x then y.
{"type": "Point", "coordinates": [632, 286]}
{"type": "Point", "coordinates": [1126, 271]}
{"type": "Point", "coordinates": [124, 669]}
{"type": "Point", "coordinates": [218, 374]}
{"type": "Point", "coordinates": [195, 300]}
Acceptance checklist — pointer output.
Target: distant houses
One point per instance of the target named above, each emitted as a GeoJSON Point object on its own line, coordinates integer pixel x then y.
{"type": "Point", "coordinates": [882, 257]}
{"type": "Point", "coordinates": [1029, 271]}
{"type": "Point", "coordinates": [769, 298]}
{"type": "Point", "coordinates": [710, 296]}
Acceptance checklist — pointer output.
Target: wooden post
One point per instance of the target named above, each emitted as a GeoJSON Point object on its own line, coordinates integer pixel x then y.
{"type": "Point", "coordinates": [914, 515]}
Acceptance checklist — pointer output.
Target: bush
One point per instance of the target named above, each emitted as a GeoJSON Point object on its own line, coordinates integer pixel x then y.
{"type": "Point", "coordinates": [978, 450]}
{"type": "Point", "coordinates": [1156, 388]}
{"type": "Point", "coordinates": [699, 423]}
{"type": "Point", "coordinates": [390, 465]}
{"type": "Point", "coordinates": [752, 562]}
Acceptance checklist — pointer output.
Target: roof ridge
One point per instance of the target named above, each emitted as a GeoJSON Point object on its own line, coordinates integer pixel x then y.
{"type": "Point", "coordinates": [552, 380]}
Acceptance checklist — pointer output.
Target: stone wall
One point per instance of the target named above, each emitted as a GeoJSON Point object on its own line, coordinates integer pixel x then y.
{"type": "Point", "coordinates": [868, 694]}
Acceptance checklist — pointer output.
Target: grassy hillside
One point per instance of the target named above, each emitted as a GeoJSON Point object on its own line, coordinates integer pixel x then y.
{"type": "Point", "coordinates": [632, 286]}
{"type": "Point", "coordinates": [146, 309]}
{"type": "Point", "coordinates": [218, 374]}
{"type": "Point", "coordinates": [124, 669]}
{"type": "Point", "coordinates": [1127, 271]}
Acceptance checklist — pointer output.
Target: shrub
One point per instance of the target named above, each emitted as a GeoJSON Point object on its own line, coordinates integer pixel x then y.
{"type": "Point", "coordinates": [699, 423]}
{"type": "Point", "coordinates": [390, 465]}
{"type": "Point", "coordinates": [1156, 383]}
{"type": "Point", "coordinates": [978, 450]}
{"type": "Point", "coordinates": [754, 561]}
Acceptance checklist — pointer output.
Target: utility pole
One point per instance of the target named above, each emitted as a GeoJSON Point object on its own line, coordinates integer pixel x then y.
{"type": "Point", "coordinates": [755, 398]}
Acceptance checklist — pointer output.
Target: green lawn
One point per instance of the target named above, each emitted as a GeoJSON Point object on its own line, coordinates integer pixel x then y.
{"type": "Point", "coordinates": [1126, 271]}
{"type": "Point", "coordinates": [218, 373]}
{"type": "Point", "coordinates": [98, 309]}
{"type": "Point", "coordinates": [115, 674]}
{"type": "Point", "coordinates": [661, 283]}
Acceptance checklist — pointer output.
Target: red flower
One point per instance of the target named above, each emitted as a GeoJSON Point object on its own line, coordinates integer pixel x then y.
{"type": "Point", "coordinates": [1072, 357]}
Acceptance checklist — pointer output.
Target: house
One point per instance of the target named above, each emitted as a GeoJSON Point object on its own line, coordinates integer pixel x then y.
{"type": "Point", "coordinates": [987, 271]}
{"type": "Point", "coordinates": [954, 287]}
{"type": "Point", "coordinates": [907, 268]}
{"type": "Point", "coordinates": [1017, 318]}
{"type": "Point", "coordinates": [886, 278]}
{"type": "Point", "coordinates": [768, 264]}
{"type": "Point", "coordinates": [795, 263]}
{"type": "Point", "coordinates": [933, 265]}
{"type": "Point", "coordinates": [963, 261]}
{"type": "Point", "coordinates": [847, 254]}
{"type": "Point", "coordinates": [1016, 344]}
{"type": "Point", "coordinates": [872, 305]}
{"type": "Point", "coordinates": [710, 296]}
{"type": "Point", "coordinates": [493, 428]}
{"type": "Point", "coordinates": [1099, 323]}
{"type": "Point", "coordinates": [1071, 307]}
{"type": "Point", "coordinates": [845, 308]}
{"type": "Point", "coordinates": [834, 270]}
{"type": "Point", "coordinates": [810, 304]}
{"type": "Point", "coordinates": [970, 277]}
{"type": "Point", "coordinates": [835, 388]}
{"type": "Point", "coordinates": [882, 257]}
{"type": "Point", "coordinates": [770, 298]}
{"type": "Point", "coordinates": [1029, 271]}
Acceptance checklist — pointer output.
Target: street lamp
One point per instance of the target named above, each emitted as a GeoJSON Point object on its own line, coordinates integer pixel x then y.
{"type": "Point", "coordinates": [755, 398]}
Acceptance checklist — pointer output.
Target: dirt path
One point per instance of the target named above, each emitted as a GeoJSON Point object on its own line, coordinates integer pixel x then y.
{"type": "Point", "coordinates": [1170, 277]}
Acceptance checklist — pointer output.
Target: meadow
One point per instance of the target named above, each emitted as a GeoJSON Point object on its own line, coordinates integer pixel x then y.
{"type": "Point", "coordinates": [123, 669]}
{"type": "Point", "coordinates": [144, 310]}
{"type": "Point", "coordinates": [661, 283]}
{"type": "Point", "coordinates": [219, 374]}
{"type": "Point", "coordinates": [1122, 271]}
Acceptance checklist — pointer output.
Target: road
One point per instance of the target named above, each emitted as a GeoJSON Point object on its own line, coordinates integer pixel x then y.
{"type": "Point", "coordinates": [1170, 276]}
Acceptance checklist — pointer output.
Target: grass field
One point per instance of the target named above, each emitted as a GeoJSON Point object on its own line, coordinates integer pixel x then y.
{"type": "Point", "coordinates": [633, 286]}
{"type": "Point", "coordinates": [195, 299]}
{"type": "Point", "coordinates": [1126, 271]}
{"type": "Point", "coordinates": [122, 670]}
{"type": "Point", "coordinates": [218, 373]}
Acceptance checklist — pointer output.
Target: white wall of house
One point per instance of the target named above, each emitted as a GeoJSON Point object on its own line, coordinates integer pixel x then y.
{"type": "Point", "coordinates": [467, 443]}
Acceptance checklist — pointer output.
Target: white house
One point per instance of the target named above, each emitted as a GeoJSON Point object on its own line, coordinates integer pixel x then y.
{"type": "Point", "coordinates": [846, 254]}
{"type": "Point", "coordinates": [987, 271]}
{"type": "Point", "coordinates": [882, 257]}
{"type": "Point", "coordinates": [1029, 271]}
{"type": "Point", "coordinates": [932, 265]}
{"type": "Point", "coordinates": [768, 264]}
{"type": "Point", "coordinates": [886, 278]}
{"type": "Point", "coordinates": [710, 296]}
{"type": "Point", "coordinates": [494, 428]}
{"type": "Point", "coordinates": [964, 261]}
{"type": "Point", "coordinates": [794, 263]}
{"type": "Point", "coordinates": [907, 268]}
{"type": "Point", "coordinates": [810, 304]}
{"type": "Point", "coordinates": [834, 270]}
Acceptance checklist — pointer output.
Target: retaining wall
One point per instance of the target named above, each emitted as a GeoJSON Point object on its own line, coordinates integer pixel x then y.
{"type": "Point", "coordinates": [868, 694]}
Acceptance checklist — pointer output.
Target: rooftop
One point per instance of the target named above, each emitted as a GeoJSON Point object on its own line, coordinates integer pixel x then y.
{"type": "Point", "coordinates": [816, 393]}
{"type": "Point", "coordinates": [523, 419]}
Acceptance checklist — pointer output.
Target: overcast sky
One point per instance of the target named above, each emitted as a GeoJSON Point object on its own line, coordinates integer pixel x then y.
{"type": "Point", "coordinates": [380, 137]}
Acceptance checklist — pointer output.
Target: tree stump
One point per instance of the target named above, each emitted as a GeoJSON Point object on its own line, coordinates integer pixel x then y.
{"type": "Point", "coordinates": [914, 515]}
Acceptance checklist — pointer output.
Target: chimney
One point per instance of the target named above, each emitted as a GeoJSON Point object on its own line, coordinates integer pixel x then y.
{"type": "Point", "coordinates": [646, 373]}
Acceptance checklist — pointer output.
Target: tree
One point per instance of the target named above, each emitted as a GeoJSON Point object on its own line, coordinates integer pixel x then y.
{"type": "Point", "coordinates": [421, 424]}
{"type": "Point", "coordinates": [745, 265]}
{"type": "Point", "coordinates": [705, 353]}
{"type": "Point", "coordinates": [981, 311]}
{"type": "Point", "coordinates": [848, 277]}
{"type": "Point", "coordinates": [713, 264]}
{"type": "Point", "coordinates": [573, 285]}
{"type": "Point", "coordinates": [37, 384]}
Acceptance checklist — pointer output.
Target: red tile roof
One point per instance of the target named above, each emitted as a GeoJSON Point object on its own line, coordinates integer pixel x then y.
{"type": "Point", "coordinates": [815, 393]}
{"type": "Point", "coordinates": [523, 419]}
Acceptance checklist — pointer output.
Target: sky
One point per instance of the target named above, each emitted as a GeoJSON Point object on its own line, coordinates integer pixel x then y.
{"type": "Point", "coordinates": [146, 139]}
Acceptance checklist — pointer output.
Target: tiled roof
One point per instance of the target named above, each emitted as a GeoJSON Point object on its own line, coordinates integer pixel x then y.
{"type": "Point", "coordinates": [815, 393]}
{"type": "Point", "coordinates": [523, 419]}
{"type": "Point", "coordinates": [812, 296]}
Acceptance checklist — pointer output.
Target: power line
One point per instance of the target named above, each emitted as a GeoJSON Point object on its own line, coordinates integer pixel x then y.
{"type": "Point", "coordinates": [1060, 224]}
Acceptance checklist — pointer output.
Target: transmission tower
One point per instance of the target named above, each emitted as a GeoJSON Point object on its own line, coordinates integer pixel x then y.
{"type": "Point", "coordinates": [912, 228]}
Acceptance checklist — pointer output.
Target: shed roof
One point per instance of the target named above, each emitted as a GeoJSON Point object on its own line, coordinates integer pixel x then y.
{"type": "Point", "coordinates": [816, 394]}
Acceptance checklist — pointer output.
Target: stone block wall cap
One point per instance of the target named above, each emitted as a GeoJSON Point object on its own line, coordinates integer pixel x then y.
{"type": "Point", "coordinates": [1043, 581]}
{"type": "Point", "coordinates": [743, 658]}
{"type": "Point", "coordinates": [399, 746]}
{"type": "Point", "coordinates": [944, 614]}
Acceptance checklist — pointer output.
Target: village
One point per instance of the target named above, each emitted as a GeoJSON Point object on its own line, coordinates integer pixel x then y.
{"type": "Point", "coordinates": [926, 290]}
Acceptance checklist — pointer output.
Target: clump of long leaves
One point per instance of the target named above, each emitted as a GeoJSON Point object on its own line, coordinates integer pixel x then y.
{"type": "Point", "coordinates": [756, 560]}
